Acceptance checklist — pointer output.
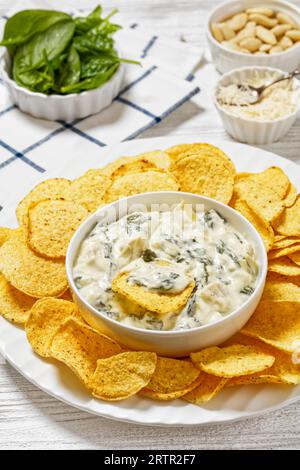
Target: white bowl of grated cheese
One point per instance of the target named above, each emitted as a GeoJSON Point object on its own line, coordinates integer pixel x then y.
{"type": "Point", "coordinates": [264, 122]}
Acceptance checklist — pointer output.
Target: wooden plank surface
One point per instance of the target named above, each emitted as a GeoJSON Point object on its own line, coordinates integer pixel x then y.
{"type": "Point", "coordinates": [30, 419]}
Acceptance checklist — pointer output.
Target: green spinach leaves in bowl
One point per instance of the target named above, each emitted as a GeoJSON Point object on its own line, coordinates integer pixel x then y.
{"type": "Point", "coordinates": [53, 53]}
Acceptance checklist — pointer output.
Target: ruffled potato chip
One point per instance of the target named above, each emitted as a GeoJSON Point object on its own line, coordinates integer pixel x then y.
{"type": "Point", "coordinates": [123, 375]}
{"type": "Point", "coordinates": [264, 228]}
{"type": "Point", "coordinates": [276, 323]}
{"type": "Point", "coordinates": [232, 361]}
{"type": "Point", "coordinates": [150, 300]}
{"type": "Point", "coordinates": [88, 189]}
{"type": "Point", "coordinates": [44, 319]}
{"type": "Point", "coordinates": [52, 225]}
{"type": "Point", "coordinates": [289, 222]}
{"type": "Point", "coordinates": [14, 305]}
{"type": "Point", "coordinates": [55, 188]}
{"type": "Point", "coordinates": [136, 183]}
{"type": "Point", "coordinates": [80, 346]}
{"type": "Point", "coordinates": [283, 371]}
{"type": "Point", "coordinates": [209, 387]}
{"type": "Point", "coordinates": [31, 274]}
{"type": "Point", "coordinates": [204, 175]}
{"type": "Point", "coordinates": [172, 379]}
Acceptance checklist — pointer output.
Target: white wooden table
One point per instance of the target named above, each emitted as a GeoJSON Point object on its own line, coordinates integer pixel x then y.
{"type": "Point", "coordinates": [30, 419]}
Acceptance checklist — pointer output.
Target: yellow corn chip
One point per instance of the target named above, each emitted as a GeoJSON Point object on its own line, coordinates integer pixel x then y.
{"type": "Point", "coordinates": [291, 196]}
{"type": "Point", "coordinates": [264, 228]}
{"type": "Point", "coordinates": [55, 188]}
{"type": "Point", "coordinates": [79, 347]}
{"type": "Point", "coordinates": [14, 305]}
{"type": "Point", "coordinates": [44, 319]}
{"type": "Point", "coordinates": [289, 222]}
{"type": "Point", "coordinates": [136, 183]}
{"type": "Point", "coordinates": [88, 189]}
{"type": "Point", "coordinates": [123, 375]}
{"type": "Point", "coordinates": [149, 299]}
{"type": "Point", "coordinates": [282, 371]}
{"type": "Point", "coordinates": [204, 175]}
{"type": "Point", "coordinates": [209, 387]}
{"type": "Point", "coordinates": [276, 323]}
{"type": "Point", "coordinates": [232, 361]}
{"type": "Point", "coordinates": [51, 226]}
{"type": "Point", "coordinates": [5, 234]}
{"type": "Point", "coordinates": [172, 379]}
{"type": "Point", "coordinates": [280, 290]}
{"type": "Point", "coordinates": [275, 254]}
{"type": "Point", "coordinates": [284, 266]}
{"type": "Point", "coordinates": [295, 257]}
{"type": "Point", "coordinates": [31, 274]}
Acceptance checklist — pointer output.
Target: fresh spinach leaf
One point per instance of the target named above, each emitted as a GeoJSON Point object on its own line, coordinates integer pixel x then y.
{"type": "Point", "coordinates": [24, 24]}
{"type": "Point", "coordinates": [31, 56]}
{"type": "Point", "coordinates": [91, 83]}
{"type": "Point", "coordinates": [70, 69]}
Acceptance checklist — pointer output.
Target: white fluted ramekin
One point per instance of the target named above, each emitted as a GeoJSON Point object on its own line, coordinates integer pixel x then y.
{"type": "Point", "coordinates": [226, 60]}
{"type": "Point", "coordinates": [60, 107]}
{"type": "Point", "coordinates": [251, 131]}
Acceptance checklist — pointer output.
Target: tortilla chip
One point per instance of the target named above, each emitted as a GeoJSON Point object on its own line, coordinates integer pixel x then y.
{"type": "Point", "coordinates": [52, 225]}
{"type": "Point", "coordinates": [289, 222]}
{"type": "Point", "coordinates": [295, 257]}
{"type": "Point", "coordinates": [275, 254]}
{"type": "Point", "coordinates": [281, 241]}
{"type": "Point", "coordinates": [209, 387]}
{"type": "Point", "coordinates": [30, 273]}
{"type": "Point", "coordinates": [232, 361]}
{"type": "Point", "coordinates": [5, 234]}
{"type": "Point", "coordinates": [291, 196]}
{"type": "Point", "coordinates": [204, 175]}
{"type": "Point", "coordinates": [276, 323]}
{"type": "Point", "coordinates": [55, 188]}
{"type": "Point", "coordinates": [183, 150]}
{"type": "Point", "coordinates": [136, 183]}
{"type": "Point", "coordinates": [14, 305]}
{"type": "Point", "coordinates": [80, 346]}
{"type": "Point", "coordinates": [123, 375]}
{"type": "Point", "coordinates": [88, 189]}
{"type": "Point", "coordinates": [264, 228]}
{"type": "Point", "coordinates": [279, 290]}
{"type": "Point", "coordinates": [273, 179]}
{"type": "Point", "coordinates": [172, 379]}
{"type": "Point", "coordinates": [283, 371]}
{"type": "Point", "coordinates": [138, 163]}
{"type": "Point", "coordinates": [44, 319]}
{"type": "Point", "coordinates": [261, 199]}
{"type": "Point", "coordinates": [275, 277]}
{"type": "Point", "coordinates": [284, 266]}
{"type": "Point", "coordinates": [149, 299]}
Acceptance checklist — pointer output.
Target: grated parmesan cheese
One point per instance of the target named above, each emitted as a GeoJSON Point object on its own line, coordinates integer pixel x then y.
{"type": "Point", "coordinates": [278, 101]}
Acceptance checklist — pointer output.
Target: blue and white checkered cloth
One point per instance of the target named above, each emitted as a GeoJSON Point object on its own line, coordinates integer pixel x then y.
{"type": "Point", "coordinates": [30, 146]}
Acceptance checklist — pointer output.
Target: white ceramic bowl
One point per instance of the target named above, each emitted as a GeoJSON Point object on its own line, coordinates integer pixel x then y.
{"type": "Point", "coordinates": [226, 60]}
{"type": "Point", "coordinates": [248, 130]}
{"type": "Point", "coordinates": [169, 343]}
{"type": "Point", "coordinates": [60, 107]}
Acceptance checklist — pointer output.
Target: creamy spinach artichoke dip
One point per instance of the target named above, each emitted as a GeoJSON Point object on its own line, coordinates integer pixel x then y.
{"type": "Point", "coordinates": [164, 252]}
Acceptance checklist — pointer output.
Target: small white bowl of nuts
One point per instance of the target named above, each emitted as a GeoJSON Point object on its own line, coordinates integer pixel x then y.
{"type": "Point", "coordinates": [253, 32]}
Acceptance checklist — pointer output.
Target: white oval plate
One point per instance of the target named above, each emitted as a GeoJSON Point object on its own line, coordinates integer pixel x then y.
{"type": "Point", "coordinates": [58, 381]}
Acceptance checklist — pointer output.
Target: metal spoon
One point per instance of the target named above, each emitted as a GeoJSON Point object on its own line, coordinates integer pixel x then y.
{"type": "Point", "coordinates": [255, 93]}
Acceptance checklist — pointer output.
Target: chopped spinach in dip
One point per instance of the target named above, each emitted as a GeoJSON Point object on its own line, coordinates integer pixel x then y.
{"type": "Point", "coordinates": [164, 251]}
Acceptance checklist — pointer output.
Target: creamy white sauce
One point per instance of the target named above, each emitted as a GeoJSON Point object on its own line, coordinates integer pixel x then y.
{"type": "Point", "coordinates": [164, 251]}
